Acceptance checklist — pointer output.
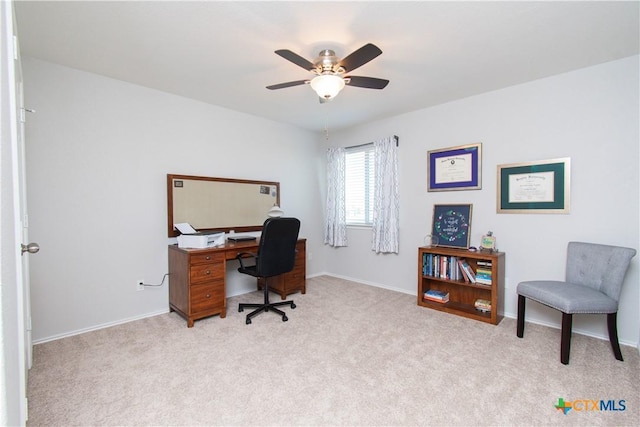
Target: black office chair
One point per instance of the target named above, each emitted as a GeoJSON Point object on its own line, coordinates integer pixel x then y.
{"type": "Point", "coordinates": [276, 255]}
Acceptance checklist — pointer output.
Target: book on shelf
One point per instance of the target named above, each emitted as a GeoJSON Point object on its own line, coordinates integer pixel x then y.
{"type": "Point", "coordinates": [436, 300]}
{"type": "Point", "coordinates": [483, 305]}
{"type": "Point", "coordinates": [455, 269]}
{"type": "Point", "coordinates": [437, 296]}
{"type": "Point", "coordinates": [483, 281]}
{"type": "Point", "coordinates": [433, 293]}
{"type": "Point", "coordinates": [449, 267]}
{"type": "Point", "coordinates": [483, 272]}
{"type": "Point", "coordinates": [431, 264]}
{"type": "Point", "coordinates": [483, 277]}
{"type": "Point", "coordinates": [468, 271]}
{"type": "Point", "coordinates": [462, 272]}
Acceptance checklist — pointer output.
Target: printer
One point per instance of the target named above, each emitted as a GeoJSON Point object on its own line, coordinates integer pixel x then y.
{"type": "Point", "coordinates": [190, 238]}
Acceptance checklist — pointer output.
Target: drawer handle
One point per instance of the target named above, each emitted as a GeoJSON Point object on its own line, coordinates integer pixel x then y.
{"type": "Point", "coordinates": [208, 295]}
{"type": "Point", "coordinates": [208, 257]}
{"type": "Point", "coordinates": [207, 272]}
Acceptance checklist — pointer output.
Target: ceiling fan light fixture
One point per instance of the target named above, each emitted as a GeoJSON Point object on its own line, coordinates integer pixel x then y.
{"type": "Point", "coordinates": [327, 86]}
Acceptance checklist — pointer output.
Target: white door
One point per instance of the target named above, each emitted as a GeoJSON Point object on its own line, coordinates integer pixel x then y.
{"type": "Point", "coordinates": [15, 347]}
{"type": "Point", "coordinates": [21, 189]}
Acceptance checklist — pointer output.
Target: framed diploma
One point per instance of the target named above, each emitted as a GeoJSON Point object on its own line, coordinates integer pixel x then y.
{"type": "Point", "coordinates": [452, 225]}
{"type": "Point", "coordinates": [455, 168]}
{"type": "Point", "coordinates": [534, 187]}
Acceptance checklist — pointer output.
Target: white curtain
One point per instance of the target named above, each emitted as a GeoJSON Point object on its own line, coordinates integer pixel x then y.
{"type": "Point", "coordinates": [386, 210]}
{"type": "Point", "coordinates": [335, 229]}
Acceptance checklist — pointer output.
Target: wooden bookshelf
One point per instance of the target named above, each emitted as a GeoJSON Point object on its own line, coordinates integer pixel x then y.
{"type": "Point", "coordinates": [462, 294]}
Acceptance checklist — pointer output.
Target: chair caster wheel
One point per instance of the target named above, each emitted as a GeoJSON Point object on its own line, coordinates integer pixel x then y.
{"type": "Point", "coordinates": [248, 322]}
{"type": "Point", "coordinates": [285, 318]}
{"type": "Point", "coordinates": [240, 309]}
{"type": "Point", "coordinates": [293, 305]}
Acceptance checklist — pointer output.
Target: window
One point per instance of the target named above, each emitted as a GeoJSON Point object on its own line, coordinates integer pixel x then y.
{"type": "Point", "coordinates": [359, 184]}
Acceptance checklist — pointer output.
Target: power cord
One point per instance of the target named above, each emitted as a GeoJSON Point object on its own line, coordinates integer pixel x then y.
{"type": "Point", "coordinates": [161, 283]}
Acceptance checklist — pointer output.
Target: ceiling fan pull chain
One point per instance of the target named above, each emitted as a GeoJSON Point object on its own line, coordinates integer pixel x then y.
{"type": "Point", "coordinates": [326, 125]}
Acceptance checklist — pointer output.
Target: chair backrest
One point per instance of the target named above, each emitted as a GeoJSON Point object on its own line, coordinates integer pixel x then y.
{"type": "Point", "coordinates": [277, 247]}
{"type": "Point", "coordinates": [601, 267]}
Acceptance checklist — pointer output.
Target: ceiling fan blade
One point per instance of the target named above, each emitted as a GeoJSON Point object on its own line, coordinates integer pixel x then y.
{"type": "Point", "coordinates": [366, 82]}
{"type": "Point", "coordinates": [360, 57]}
{"type": "Point", "coordinates": [296, 59]}
{"type": "Point", "coordinates": [287, 84]}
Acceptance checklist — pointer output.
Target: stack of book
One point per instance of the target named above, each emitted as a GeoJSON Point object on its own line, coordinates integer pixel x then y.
{"type": "Point", "coordinates": [483, 305]}
{"type": "Point", "coordinates": [437, 296]}
{"type": "Point", "coordinates": [483, 272]}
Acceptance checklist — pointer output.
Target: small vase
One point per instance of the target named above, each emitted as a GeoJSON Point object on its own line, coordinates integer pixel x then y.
{"type": "Point", "coordinates": [431, 240]}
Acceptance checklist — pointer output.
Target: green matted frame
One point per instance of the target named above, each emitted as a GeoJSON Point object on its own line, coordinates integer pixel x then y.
{"type": "Point", "coordinates": [535, 187]}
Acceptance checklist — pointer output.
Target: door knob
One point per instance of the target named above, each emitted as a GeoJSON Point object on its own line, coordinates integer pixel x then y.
{"type": "Point", "coordinates": [32, 248]}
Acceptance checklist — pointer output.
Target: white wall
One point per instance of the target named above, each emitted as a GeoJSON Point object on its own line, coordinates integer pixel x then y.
{"type": "Point", "coordinates": [590, 115]}
{"type": "Point", "coordinates": [98, 151]}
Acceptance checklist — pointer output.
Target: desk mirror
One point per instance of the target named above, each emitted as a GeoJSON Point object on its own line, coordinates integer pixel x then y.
{"type": "Point", "coordinates": [219, 204]}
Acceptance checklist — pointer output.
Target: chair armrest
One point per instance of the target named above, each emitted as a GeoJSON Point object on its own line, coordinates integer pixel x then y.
{"type": "Point", "coordinates": [242, 255]}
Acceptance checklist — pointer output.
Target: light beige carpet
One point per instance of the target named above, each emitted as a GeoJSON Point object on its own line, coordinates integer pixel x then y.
{"type": "Point", "coordinates": [350, 354]}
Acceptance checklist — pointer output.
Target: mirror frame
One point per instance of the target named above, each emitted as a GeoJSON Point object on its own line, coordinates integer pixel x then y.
{"type": "Point", "coordinates": [172, 232]}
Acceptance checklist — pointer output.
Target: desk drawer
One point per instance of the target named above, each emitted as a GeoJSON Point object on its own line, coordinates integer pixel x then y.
{"type": "Point", "coordinates": [207, 296]}
{"type": "Point", "coordinates": [296, 277]}
{"type": "Point", "coordinates": [207, 258]}
{"type": "Point", "coordinates": [206, 272]}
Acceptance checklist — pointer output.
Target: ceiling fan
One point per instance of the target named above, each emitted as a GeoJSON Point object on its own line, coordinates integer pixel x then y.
{"type": "Point", "coordinates": [330, 71]}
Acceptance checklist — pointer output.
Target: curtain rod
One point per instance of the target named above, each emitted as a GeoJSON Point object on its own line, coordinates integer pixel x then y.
{"type": "Point", "coordinates": [369, 143]}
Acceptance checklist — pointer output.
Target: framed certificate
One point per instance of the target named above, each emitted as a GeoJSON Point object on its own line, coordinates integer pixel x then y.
{"type": "Point", "coordinates": [534, 187]}
{"type": "Point", "coordinates": [456, 168]}
{"type": "Point", "coordinates": [452, 225]}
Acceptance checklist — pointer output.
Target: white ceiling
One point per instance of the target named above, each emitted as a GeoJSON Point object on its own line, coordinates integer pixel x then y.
{"type": "Point", "coordinates": [222, 52]}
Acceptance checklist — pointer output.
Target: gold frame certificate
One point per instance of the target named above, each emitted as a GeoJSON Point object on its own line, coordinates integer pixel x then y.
{"type": "Point", "coordinates": [455, 168]}
{"type": "Point", "coordinates": [541, 186]}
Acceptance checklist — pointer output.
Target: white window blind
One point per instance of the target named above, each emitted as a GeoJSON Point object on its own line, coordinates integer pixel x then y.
{"type": "Point", "coordinates": [359, 184]}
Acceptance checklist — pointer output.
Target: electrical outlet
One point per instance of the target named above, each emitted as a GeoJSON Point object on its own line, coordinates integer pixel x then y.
{"type": "Point", "coordinates": [140, 285]}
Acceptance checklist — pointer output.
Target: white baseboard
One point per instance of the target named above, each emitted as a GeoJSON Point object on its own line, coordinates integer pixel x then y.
{"type": "Point", "coordinates": [352, 279]}
{"type": "Point", "coordinates": [573, 330]}
{"type": "Point", "coordinates": [364, 282]}
{"type": "Point", "coordinates": [507, 315]}
{"type": "Point", "coordinates": [101, 326]}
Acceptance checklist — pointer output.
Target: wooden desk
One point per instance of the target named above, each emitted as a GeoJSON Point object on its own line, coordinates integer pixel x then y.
{"type": "Point", "coordinates": [197, 278]}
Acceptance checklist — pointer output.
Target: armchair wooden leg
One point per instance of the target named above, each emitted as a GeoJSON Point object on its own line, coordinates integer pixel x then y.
{"type": "Point", "coordinates": [565, 341]}
{"type": "Point", "coordinates": [612, 325]}
{"type": "Point", "coordinates": [520, 327]}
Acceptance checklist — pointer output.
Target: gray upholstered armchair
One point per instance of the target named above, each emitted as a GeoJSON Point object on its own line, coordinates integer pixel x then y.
{"type": "Point", "coordinates": [593, 279]}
